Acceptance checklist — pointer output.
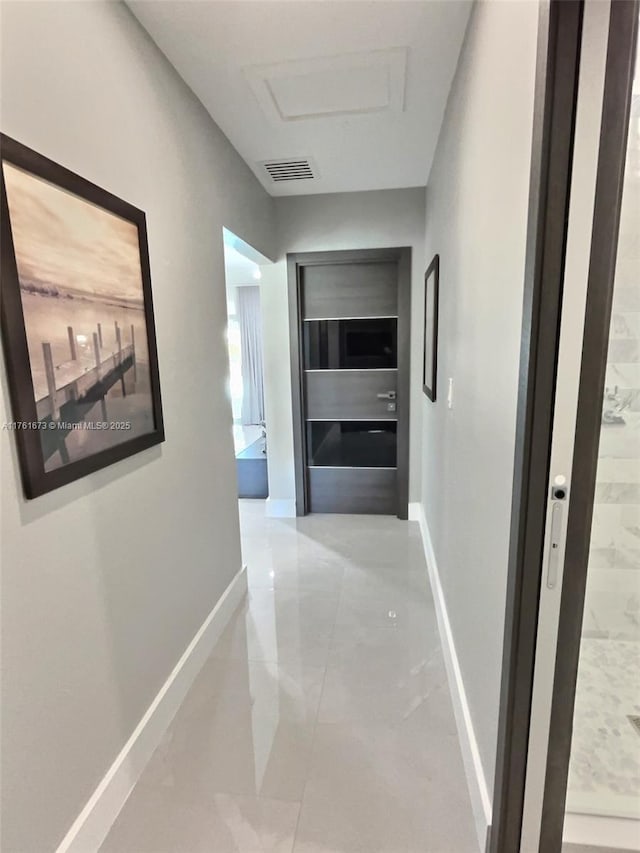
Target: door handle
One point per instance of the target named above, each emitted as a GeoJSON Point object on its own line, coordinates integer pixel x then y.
{"type": "Point", "coordinates": [387, 395]}
{"type": "Point", "coordinates": [554, 549]}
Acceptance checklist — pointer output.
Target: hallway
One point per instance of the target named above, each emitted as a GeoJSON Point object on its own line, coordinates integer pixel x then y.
{"type": "Point", "coordinates": [322, 722]}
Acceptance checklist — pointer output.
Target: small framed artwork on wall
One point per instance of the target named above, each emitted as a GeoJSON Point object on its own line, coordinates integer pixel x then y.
{"type": "Point", "coordinates": [430, 355]}
{"type": "Point", "coordinates": [77, 322]}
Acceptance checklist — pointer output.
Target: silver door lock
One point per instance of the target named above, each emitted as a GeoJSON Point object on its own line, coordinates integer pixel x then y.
{"type": "Point", "coordinates": [559, 492]}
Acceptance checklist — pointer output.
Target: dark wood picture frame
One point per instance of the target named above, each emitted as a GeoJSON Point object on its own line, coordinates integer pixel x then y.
{"type": "Point", "coordinates": [30, 426]}
{"type": "Point", "coordinates": [430, 352]}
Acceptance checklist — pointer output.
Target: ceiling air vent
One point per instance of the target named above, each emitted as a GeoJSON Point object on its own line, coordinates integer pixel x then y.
{"type": "Point", "coordinates": [291, 169]}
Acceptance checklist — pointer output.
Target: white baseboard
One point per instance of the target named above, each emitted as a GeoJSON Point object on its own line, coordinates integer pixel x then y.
{"type": "Point", "coordinates": [478, 789]}
{"type": "Point", "coordinates": [614, 833]}
{"type": "Point", "coordinates": [279, 508]}
{"type": "Point", "coordinates": [94, 821]}
{"type": "Point", "coordinates": [415, 510]}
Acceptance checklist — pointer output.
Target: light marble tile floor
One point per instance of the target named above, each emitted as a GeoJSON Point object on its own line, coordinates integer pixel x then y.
{"type": "Point", "coordinates": [604, 773]}
{"type": "Point", "coordinates": [322, 722]}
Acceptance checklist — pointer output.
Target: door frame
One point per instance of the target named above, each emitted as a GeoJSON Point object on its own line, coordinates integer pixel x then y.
{"type": "Point", "coordinates": [555, 102]}
{"type": "Point", "coordinates": [557, 76]}
{"type": "Point", "coordinates": [296, 263]}
{"type": "Point", "coordinates": [618, 83]}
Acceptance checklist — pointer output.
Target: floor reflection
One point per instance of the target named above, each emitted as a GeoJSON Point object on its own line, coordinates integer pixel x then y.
{"type": "Point", "coordinates": [322, 722]}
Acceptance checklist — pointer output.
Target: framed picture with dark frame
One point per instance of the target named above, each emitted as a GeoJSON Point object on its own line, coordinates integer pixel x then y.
{"type": "Point", "coordinates": [77, 322]}
{"type": "Point", "coordinates": [430, 354]}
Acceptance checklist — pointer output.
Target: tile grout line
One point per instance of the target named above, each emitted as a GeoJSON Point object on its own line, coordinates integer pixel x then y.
{"type": "Point", "coordinates": [317, 714]}
{"type": "Point", "coordinates": [315, 722]}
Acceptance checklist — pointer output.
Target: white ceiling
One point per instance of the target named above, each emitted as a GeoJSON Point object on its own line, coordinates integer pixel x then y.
{"type": "Point", "coordinates": [357, 86]}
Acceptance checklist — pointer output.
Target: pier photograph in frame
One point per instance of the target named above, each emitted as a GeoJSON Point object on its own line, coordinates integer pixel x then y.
{"type": "Point", "coordinates": [77, 322]}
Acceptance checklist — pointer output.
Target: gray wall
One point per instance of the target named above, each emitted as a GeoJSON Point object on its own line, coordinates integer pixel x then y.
{"type": "Point", "coordinates": [477, 198]}
{"type": "Point", "coordinates": [366, 220]}
{"type": "Point", "coordinates": [105, 581]}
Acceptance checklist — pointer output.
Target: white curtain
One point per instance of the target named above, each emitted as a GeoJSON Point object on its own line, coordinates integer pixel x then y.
{"type": "Point", "coordinates": [248, 311]}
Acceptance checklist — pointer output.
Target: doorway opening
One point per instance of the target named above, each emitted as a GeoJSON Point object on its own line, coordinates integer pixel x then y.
{"type": "Point", "coordinates": [246, 374]}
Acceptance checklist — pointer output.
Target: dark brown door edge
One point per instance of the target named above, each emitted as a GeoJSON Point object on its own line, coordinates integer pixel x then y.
{"type": "Point", "coordinates": [559, 35]}
{"type": "Point", "coordinates": [604, 241]}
